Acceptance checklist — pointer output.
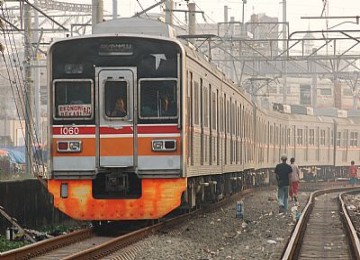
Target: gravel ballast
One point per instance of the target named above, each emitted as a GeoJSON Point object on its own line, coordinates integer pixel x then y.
{"type": "Point", "coordinates": [261, 234]}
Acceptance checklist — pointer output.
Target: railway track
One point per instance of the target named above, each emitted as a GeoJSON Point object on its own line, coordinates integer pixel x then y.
{"type": "Point", "coordinates": [324, 231]}
{"type": "Point", "coordinates": [85, 244]}
{"type": "Point", "coordinates": [49, 245]}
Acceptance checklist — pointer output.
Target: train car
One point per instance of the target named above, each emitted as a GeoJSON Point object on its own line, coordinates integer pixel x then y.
{"type": "Point", "coordinates": [141, 124]}
{"type": "Point", "coordinates": [107, 165]}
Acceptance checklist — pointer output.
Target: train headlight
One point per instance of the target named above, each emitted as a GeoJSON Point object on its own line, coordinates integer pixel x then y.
{"type": "Point", "coordinates": [163, 145]}
{"type": "Point", "coordinates": [69, 146]}
{"type": "Point", "coordinates": [62, 146]}
{"type": "Point", "coordinates": [75, 146]}
{"type": "Point", "coordinates": [157, 145]}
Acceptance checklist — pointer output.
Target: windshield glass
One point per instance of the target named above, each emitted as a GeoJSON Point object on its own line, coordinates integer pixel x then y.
{"type": "Point", "coordinates": [116, 98]}
{"type": "Point", "coordinates": [73, 99]}
{"type": "Point", "coordinates": [158, 99]}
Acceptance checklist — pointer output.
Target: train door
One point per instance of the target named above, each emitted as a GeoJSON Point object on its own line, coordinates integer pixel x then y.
{"type": "Point", "coordinates": [116, 117]}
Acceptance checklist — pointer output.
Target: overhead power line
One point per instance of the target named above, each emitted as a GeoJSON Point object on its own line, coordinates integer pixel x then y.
{"type": "Point", "coordinates": [62, 6]}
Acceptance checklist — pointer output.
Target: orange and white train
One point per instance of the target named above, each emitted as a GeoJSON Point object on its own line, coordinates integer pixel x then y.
{"type": "Point", "coordinates": [187, 136]}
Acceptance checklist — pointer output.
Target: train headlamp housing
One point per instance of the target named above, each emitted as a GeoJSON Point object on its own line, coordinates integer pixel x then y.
{"type": "Point", "coordinates": [72, 146]}
{"type": "Point", "coordinates": [163, 145]}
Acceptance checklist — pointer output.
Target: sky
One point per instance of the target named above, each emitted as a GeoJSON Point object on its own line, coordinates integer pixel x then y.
{"type": "Point", "coordinates": [214, 10]}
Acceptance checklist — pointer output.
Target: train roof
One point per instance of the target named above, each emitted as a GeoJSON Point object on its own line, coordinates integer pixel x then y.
{"type": "Point", "coordinates": [135, 25]}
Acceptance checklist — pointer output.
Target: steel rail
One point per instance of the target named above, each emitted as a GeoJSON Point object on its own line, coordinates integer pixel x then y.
{"type": "Point", "coordinates": [43, 246]}
{"type": "Point", "coordinates": [293, 246]}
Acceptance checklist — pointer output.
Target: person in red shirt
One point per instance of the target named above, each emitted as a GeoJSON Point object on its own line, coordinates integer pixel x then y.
{"type": "Point", "coordinates": [294, 180]}
{"type": "Point", "coordinates": [352, 173]}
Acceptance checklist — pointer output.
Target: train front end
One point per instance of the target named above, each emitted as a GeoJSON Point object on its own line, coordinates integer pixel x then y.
{"type": "Point", "coordinates": [115, 127]}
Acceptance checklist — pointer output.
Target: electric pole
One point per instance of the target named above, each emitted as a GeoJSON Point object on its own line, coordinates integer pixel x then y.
{"type": "Point", "coordinates": [192, 20]}
{"type": "Point", "coordinates": [169, 7]}
{"type": "Point", "coordinates": [115, 9]}
{"type": "Point", "coordinates": [97, 12]}
{"type": "Point", "coordinates": [284, 69]}
{"type": "Point", "coordinates": [36, 73]}
{"type": "Point", "coordinates": [28, 95]}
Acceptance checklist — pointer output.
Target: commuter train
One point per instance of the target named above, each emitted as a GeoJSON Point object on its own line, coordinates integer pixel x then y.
{"type": "Point", "coordinates": [146, 162]}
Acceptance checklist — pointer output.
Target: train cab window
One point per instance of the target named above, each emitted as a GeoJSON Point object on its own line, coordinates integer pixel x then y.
{"type": "Point", "coordinates": [116, 99]}
{"type": "Point", "coordinates": [158, 99]}
{"type": "Point", "coordinates": [73, 99]}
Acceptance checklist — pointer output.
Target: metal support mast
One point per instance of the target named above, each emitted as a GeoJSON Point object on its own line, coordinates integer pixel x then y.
{"type": "Point", "coordinates": [284, 69]}
{"type": "Point", "coordinates": [36, 73]}
{"type": "Point", "coordinates": [28, 95]}
{"type": "Point", "coordinates": [115, 14]}
{"type": "Point", "coordinates": [169, 19]}
{"type": "Point", "coordinates": [243, 18]}
{"type": "Point", "coordinates": [97, 12]}
{"type": "Point", "coordinates": [192, 20]}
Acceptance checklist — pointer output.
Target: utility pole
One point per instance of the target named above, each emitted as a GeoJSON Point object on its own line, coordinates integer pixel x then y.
{"type": "Point", "coordinates": [192, 19]}
{"type": "Point", "coordinates": [284, 69]}
{"type": "Point", "coordinates": [28, 95]}
{"type": "Point", "coordinates": [314, 82]}
{"type": "Point", "coordinates": [243, 18]}
{"type": "Point", "coordinates": [169, 7]}
{"type": "Point", "coordinates": [97, 12]}
{"type": "Point", "coordinates": [115, 14]}
{"type": "Point", "coordinates": [36, 73]}
{"type": "Point", "coordinates": [231, 67]}
{"type": "Point", "coordinates": [226, 14]}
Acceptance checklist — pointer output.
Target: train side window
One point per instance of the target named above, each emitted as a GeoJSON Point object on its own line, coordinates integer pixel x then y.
{"type": "Point", "coordinates": [158, 98]}
{"type": "Point", "coordinates": [345, 138]}
{"type": "Point", "coordinates": [311, 136]}
{"type": "Point", "coordinates": [322, 137]}
{"type": "Point", "coordinates": [300, 136]}
{"type": "Point", "coordinates": [338, 138]}
{"type": "Point", "coordinates": [116, 99]}
{"type": "Point", "coordinates": [73, 99]}
{"type": "Point", "coordinates": [353, 139]}
{"type": "Point", "coordinates": [205, 105]}
{"type": "Point", "coordinates": [227, 119]}
{"type": "Point", "coordinates": [196, 104]}
{"type": "Point", "coordinates": [214, 109]}
{"type": "Point", "coordinates": [221, 114]}
{"type": "Point", "coordinates": [288, 136]}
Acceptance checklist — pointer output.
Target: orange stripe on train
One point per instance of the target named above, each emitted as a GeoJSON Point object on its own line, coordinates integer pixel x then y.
{"type": "Point", "coordinates": [117, 147]}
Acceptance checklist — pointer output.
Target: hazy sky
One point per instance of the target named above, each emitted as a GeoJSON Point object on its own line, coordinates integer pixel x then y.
{"type": "Point", "coordinates": [214, 10]}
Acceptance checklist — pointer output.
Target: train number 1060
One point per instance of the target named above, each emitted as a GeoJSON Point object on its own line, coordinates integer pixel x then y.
{"type": "Point", "coordinates": [70, 131]}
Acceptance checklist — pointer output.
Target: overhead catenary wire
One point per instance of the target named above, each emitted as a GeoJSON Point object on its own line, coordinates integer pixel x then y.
{"type": "Point", "coordinates": [17, 85]}
{"type": "Point", "coordinates": [141, 7]}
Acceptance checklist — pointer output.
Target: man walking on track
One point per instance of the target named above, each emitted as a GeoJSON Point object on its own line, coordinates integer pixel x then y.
{"type": "Point", "coordinates": [283, 171]}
